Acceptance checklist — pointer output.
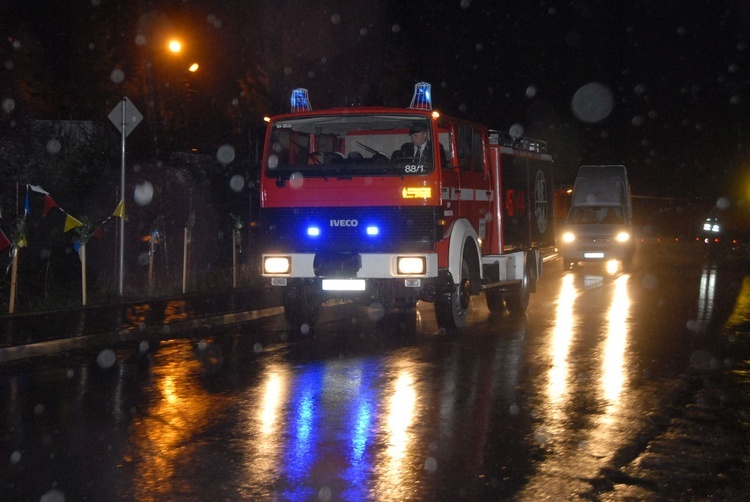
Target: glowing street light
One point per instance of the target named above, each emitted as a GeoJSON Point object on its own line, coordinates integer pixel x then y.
{"type": "Point", "coordinates": [193, 68]}
{"type": "Point", "coordinates": [175, 46]}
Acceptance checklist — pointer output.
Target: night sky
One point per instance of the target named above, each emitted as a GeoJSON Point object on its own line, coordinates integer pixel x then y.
{"type": "Point", "coordinates": [660, 86]}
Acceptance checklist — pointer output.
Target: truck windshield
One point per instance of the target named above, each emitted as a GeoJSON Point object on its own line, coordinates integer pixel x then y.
{"type": "Point", "coordinates": [592, 215]}
{"type": "Point", "coordinates": [345, 146]}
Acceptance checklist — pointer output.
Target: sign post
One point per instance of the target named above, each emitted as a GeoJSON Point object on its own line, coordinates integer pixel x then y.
{"type": "Point", "coordinates": [125, 121]}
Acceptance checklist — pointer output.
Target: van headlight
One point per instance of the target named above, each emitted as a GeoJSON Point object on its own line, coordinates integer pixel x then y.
{"type": "Point", "coordinates": [568, 237]}
{"type": "Point", "coordinates": [277, 264]}
{"type": "Point", "coordinates": [622, 237]}
{"type": "Point", "coordinates": [411, 265]}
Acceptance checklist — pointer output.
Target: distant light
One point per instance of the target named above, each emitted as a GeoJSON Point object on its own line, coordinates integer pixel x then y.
{"type": "Point", "coordinates": [313, 231]}
{"type": "Point", "coordinates": [372, 230]}
{"type": "Point", "coordinates": [266, 119]}
{"type": "Point", "coordinates": [175, 46]}
{"type": "Point", "coordinates": [193, 68]}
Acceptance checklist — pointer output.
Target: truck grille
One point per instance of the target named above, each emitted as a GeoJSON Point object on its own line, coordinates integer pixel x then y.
{"type": "Point", "coordinates": [399, 228]}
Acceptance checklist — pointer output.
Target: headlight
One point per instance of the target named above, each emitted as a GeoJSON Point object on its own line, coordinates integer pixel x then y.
{"type": "Point", "coordinates": [410, 265]}
{"type": "Point", "coordinates": [277, 265]}
{"type": "Point", "coordinates": [623, 237]}
{"type": "Point", "coordinates": [568, 237]}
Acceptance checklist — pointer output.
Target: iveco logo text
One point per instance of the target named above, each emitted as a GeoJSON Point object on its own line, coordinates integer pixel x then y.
{"type": "Point", "coordinates": [344, 223]}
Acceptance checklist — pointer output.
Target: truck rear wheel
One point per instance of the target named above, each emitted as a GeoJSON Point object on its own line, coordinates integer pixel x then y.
{"type": "Point", "coordinates": [495, 300]}
{"type": "Point", "coordinates": [452, 302]}
{"type": "Point", "coordinates": [517, 297]}
{"type": "Point", "coordinates": [301, 305]}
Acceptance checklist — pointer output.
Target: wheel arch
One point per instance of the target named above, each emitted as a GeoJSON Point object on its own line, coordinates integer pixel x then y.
{"type": "Point", "coordinates": [461, 231]}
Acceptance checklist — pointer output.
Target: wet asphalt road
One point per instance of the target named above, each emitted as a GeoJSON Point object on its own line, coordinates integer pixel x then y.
{"type": "Point", "coordinates": [621, 387]}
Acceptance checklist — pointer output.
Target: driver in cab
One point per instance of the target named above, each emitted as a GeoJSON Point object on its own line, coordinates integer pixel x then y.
{"type": "Point", "coordinates": [419, 150]}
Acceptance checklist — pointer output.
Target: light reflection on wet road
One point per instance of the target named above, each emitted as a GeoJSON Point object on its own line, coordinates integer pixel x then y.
{"type": "Point", "coordinates": [515, 408]}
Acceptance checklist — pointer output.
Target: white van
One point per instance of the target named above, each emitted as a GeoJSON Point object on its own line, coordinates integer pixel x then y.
{"type": "Point", "coordinates": [600, 221]}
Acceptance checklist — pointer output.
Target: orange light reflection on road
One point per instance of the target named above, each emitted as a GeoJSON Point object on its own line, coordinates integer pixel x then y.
{"type": "Point", "coordinates": [557, 381]}
{"type": "Point", "coordinates": [400, 415]}
{"type": "Point", "coordinates": [613, 361]}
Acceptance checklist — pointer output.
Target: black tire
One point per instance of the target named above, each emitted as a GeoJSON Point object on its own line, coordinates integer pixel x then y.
{"type": "Point", "coordinates": [495, 300]}
{"type": "Point", "coordinates": [517, 298]}
{"type": "Point", "coordinates": [452, 302]}
{"type": "Point", "coordinates": [301, 305]}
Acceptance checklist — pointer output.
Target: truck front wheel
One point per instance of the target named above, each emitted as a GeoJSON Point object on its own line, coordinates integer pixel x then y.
{"type": "Point", "coordinates": [452, 302]}
{"type": "Point", "coordinates": [301, 305]}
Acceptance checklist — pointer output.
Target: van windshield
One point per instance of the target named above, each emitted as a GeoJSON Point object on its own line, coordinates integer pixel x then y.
{"type": "Point", "coordinates": [346, 146]}
{"type": "Point", "coordinates": [592, 215]}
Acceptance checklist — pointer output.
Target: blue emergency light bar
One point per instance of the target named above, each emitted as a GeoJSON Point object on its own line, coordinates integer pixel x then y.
{"type": "Point", "coordinates": [300, 101]}
{"type": "Point", "coordinates": [422, 99]}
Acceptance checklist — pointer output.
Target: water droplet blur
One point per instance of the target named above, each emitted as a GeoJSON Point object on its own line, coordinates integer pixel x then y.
{"type": "Point", "coordinates": [106, 358]}
{"type": "Point", "coordinates": [15, 457]}
{"type": "Point", "coordinates": [202, 345]}
{"type": "Point", "coordinates": [225, 154]}
{"type": "Point", "coordinates": [143, 194]}
{"type": "Point", "coordinates": [514, 409]}
{"type": "Point", "coordinates": [53, 495]}
{"type": "Point", "coordinates": [140, 40]}
{"type": "Point", "coordinates": [8, 105]}
{"type": "Point", "coordinates": [273, 161]}
{"type": "Point", "coordinates": [304, 329]}
{"type": "Point", "coordinates": [143, 347]}
{"type": "Point", "coordinates": [650, 281]}
{"type": "Point", "coordinates": [531, 91]}
{"type": "Point", "coordinates": [516, 131]}
{"type": "Point", "coordinates": [236, 183]}
{"type": "Point", "coordinates": [396, 28]}
{"type": "Point", "coordinates": [723, 203]}
{"type": "Point", "coordinates": [53, 146]}
{"type": "Point", "coordinates": [376, 311]}
{"type": "Point", "coordinates": [431, 465]}
{"type": "Point", "coordinates": [335, 19]}
{"type": "Point", "coordinates": [258, 348]}
{"type": "Point", "coordinates": [593, 102]}
{"type": "Point", "coordinates": [296, 180]}
{"type": "Point", "coordinates": [324, 494]}
{"type": "Point", "coordinates": [117, 76]}
{"type": "Point", "coordinates": [38, 409]}
{"type": "Point", "coordinates": [143, 259]}
{"type": "Point", "coordinates": [465, 4]}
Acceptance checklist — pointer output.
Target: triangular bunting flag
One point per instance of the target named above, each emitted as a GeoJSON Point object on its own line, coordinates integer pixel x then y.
{"type": "Point", "coordinates": [4, 242]}
{"type": "Point", "coordinates": [49, 204]}
{"type": "Point", "coordinates": [38, 189]}
{"type": "Point", "coordinates": [71, 223]}
{"type": "Point", "coordinates": [120, 210]}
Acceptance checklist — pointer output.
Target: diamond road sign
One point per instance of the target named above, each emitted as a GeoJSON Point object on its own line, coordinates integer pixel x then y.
{"type": "Point", "coordinates": [132, 116]}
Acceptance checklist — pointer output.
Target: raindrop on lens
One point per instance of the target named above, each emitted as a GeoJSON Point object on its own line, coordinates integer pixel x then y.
{"type": "Point", "coordinates": [15, 457]}
{"type": "Point", "coordinates": [257, 348]}
{"type": "Point", "coordinates": [143, 347]}
{"type": "Point", "coordinates": [431, 465]}
{"type": "Point", "coordinates": [296, 180]}
{"type": "Point", "coordinates": [335, 18]}
{"type": "Point", "coordinates": [143, 259]}
{"type": "Point", "coordinates": [304, 329]}
{"type": "Point", "coordinates": [106, 358]}
{"type": "Point", "coordinates": [722, 203]}
{"type": "Point", "coordinates": [53, 495]}
{"type": "Point", "coordinates": [375, 311]}
{"type": "Point", "coordinates": [144, 192]}
{"type": "Point", "coordinates": [592, 103]}
{"type": "Point", "coordinates": [117, 76]}
{"type": "Point", "coordinates": [531, 91]}
{"type": "Point", "coordinates": [516, 131]}
{"type": "Point", "coordinates": [225, 154]}
{"type": "Point", "coordinates": [202, 345]}
{"type": "Point", "coordinates": [236, 183]}
{"type": "Point", "coordinates": [38, 409]}
{"type": "Point", "coordinates": [53, 146]}
{"type": "Point", "coordinates": [8, 105]}
{"type": "Point", "coordinates": [514, 409]}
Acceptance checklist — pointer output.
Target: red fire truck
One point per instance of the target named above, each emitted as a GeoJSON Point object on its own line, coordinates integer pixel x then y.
{"type": "Point", "coordinates": [345, 216]}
